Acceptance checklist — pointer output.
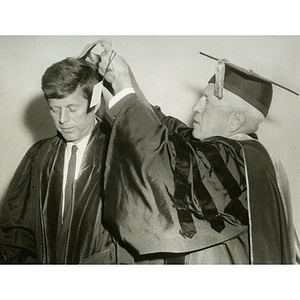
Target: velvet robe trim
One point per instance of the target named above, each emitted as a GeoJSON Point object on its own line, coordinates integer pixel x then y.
{"type": "Point", "coordinates": [270, 242]}
{"type": "Point", "coordinates": [140, 187]}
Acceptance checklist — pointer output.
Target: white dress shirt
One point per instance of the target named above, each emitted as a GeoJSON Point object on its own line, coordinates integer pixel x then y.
{"type": "Point", "coordinates": [83, 143]}
{"type": "Point", "coordinates": [79, 155]}
{"type": "Point", "coordinates": [114, 100]}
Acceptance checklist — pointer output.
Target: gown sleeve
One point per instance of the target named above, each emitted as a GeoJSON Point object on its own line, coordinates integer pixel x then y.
{"type": "Point", "coordinates": [140, 187]}
{"type": "Point", "coordinates": [17, 242]}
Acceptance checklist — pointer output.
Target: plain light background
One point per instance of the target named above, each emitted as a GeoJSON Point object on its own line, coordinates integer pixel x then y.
{"type": "Point", "coordinates": [161, 18]}
{"type": "Point", "coordinates": [172, 75]}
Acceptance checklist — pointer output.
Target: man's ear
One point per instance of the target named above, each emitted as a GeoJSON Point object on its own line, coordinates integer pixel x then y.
{"type": "Point", "coordinates": [236, 121]}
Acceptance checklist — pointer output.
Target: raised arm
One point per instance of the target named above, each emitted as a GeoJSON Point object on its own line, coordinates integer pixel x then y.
{"type": "Point", "coordinates": [141, 202]}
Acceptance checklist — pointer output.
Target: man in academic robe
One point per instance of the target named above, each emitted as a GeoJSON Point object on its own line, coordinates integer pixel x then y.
{"type": "Point", "coordinates": [52, 212]}
{"type": "Point", "coordinates": [210, 194]}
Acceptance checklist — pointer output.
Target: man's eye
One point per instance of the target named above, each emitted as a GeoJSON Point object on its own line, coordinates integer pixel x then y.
{"type": "Point", "coordinates": [54, 109]}
{"type": "Point", "coordinates": [72, 109]}
{"type": "Point", "coordinates": [207, 104]}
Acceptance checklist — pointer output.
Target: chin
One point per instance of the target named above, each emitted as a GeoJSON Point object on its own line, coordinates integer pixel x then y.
{"type": "Point", "coordinates": [69, 137]}
{"type": "Point", "coordinates": [196, 135]}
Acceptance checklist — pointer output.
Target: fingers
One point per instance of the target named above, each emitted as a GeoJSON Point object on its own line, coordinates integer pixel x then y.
{"type": "Point", "coordinates": [106, 45]}
{"type": "Point", "coordinates": [106, 55]}
{"type": "Point", "coordinates": [97, 51]}
{"type": "Point", "coordinates": [110, 65]}
{"type": "Point", "coordinates": [105, 65]}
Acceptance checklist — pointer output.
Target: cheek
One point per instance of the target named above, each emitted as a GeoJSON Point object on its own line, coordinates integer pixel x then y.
{"type": "Point", "coordinates": [78, 116]}
{"type": "Point", "coordinates": [81, 119]}
{"type": "Point", "coordinates": [218, 125]}
{"type": "Point", "coordinates": [54, 117]}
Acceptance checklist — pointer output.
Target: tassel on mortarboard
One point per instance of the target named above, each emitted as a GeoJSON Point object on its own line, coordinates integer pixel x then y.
{"type": "Point", "coordinates": [251, 87]}
{"type": "Point", "coordinates": [219, 77]}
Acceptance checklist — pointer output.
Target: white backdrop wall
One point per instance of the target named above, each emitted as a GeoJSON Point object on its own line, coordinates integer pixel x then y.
{"type": "Point", "coordinates": [170, 72]}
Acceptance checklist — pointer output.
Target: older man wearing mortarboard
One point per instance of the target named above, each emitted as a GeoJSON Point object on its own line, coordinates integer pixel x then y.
{"type": "Point", "coordinates": [210, 194]}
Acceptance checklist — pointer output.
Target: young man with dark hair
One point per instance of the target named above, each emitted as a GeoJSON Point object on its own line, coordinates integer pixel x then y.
{"type": "Point", "coordinates": [52, 212]}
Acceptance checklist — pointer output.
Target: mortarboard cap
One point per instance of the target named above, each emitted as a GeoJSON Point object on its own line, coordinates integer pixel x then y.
{"type": "Point", "coordinates": [246, 84]}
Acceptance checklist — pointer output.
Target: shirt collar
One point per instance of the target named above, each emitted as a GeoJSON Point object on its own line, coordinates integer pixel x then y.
{"type": "Point", "coordinates": [240, 137]}
{"type": "Point", "coordinates": [120, 95]}
{"type": "Point", "coordinates": [81, 144]}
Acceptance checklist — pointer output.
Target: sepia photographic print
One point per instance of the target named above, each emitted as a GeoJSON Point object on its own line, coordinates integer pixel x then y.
{"type": "Point", "coordinates": [149, 150]}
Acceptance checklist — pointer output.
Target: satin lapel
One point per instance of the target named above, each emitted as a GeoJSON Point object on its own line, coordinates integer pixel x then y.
{"type": "Point", "coordinates": [88, 192]}
{"type": "Point", "coordinates": [92, 167]}
{"type": "Point", "coordinates": [53, 176]}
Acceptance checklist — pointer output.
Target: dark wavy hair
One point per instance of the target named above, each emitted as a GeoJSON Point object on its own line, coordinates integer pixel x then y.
{"type": "Point", "coordinates": [63, 78]}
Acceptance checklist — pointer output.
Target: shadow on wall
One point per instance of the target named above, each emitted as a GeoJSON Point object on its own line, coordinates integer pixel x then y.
{"type": "Point", "coordinates": [39, 123]}
{"type": "Point", "coordinates": [38, 120]}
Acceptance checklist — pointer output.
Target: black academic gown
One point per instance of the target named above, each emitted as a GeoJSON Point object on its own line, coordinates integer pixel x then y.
{"type": "Point", "coordinates": [170, 193]}
{"type": "Point", "coordinates": [29, 218]}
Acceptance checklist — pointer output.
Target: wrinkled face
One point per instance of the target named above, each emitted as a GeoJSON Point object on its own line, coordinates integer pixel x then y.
{"type": "Point", "coordinates": [71, 118]}
{"type": "Point", "coordinates": [211, 116]}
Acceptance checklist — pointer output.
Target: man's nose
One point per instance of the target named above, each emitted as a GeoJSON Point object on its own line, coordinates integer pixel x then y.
{"type": "Point", "coordinates": [199, 105]}
{"type": "Point", "coordinates": [63, 116]}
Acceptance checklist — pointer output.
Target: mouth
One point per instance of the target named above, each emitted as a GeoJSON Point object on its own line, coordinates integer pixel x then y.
{"type": "Point", "coordinates": [196, 122]}
{"type": "Point", "coordinates": [67, 129]}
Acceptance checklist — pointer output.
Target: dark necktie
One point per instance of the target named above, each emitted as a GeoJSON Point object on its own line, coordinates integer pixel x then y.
{"type": "Point", "coordinates": [69, 186]}
{"type": "Point", "coordinates": [62, 234]}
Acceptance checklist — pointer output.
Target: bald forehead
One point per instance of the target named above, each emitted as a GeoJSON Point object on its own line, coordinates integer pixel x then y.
{"type": "Point", "coordinates": [229, 101]}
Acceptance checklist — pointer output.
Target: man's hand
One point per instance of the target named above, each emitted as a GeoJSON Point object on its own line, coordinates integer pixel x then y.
{"type": "Point", "coordinates": [118, 72]}
{"type": "Point", "coordinates": [114, 67]}
{"type": "Point", "coordinates": [91, 53]}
